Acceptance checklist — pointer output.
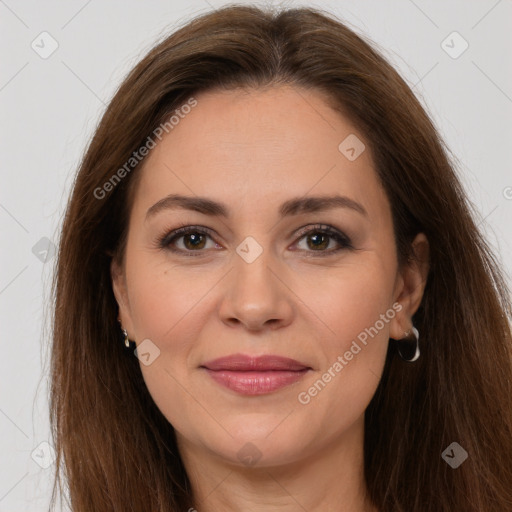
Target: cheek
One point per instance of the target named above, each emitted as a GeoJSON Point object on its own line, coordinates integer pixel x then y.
{"type": "Point", "coordinates": [356, 307]}
{"type": "Point", "coordinates": [170, 308]}
{"type": "Point", "coordinates": [163, 299]}
{"type": "Point", "coordinates": [350, 300]}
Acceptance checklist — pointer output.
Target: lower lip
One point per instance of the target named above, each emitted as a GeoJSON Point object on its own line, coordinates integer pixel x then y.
{"type": "Point", "coordinates": [256, 382]}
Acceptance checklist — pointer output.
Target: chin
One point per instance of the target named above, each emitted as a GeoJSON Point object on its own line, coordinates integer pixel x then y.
{"type": "Point", "coordinates": [257, 440]}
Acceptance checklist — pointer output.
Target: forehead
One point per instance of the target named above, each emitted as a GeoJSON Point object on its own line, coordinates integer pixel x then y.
{"type": "Point", "coordinates": [254, 146]}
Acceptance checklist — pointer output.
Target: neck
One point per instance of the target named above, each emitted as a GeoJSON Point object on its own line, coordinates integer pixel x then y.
{"type": "Point", "coordinates": [329, 480]}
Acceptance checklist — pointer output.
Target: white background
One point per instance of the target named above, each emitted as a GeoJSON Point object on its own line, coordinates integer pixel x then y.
{"type": "Point", "coordinates": [50, 107]}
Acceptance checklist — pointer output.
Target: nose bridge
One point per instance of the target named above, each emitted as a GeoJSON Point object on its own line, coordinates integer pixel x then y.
{"type": "Point", "coordinates": [254, 294]}
{"type": "Point", "coordinates": [253, 264]}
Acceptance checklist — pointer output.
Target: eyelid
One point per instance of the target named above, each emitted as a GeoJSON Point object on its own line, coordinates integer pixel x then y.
{"type": "Point", "coordinates": [316, 227]}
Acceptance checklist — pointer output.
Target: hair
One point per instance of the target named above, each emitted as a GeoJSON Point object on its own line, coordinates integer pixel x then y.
{"type": "Point", "coordinates": [116, 450]}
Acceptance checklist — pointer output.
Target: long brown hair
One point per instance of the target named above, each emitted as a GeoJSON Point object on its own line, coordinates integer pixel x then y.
{"type": "Point", "coordinates": [117, 451]}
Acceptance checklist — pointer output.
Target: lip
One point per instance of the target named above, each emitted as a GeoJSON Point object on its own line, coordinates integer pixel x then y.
{"type": "Point", "coordinates": [255, 375]}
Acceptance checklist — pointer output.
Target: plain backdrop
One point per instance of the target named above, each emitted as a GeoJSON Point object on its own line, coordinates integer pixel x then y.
{"type": "Point", "coordinates": [60, 64]}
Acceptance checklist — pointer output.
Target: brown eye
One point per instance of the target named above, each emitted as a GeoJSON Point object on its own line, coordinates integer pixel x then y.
{"type": "Point", "coordinates": [324, 239]}
{"type": "Point", "coordinates": [318, 241]}
{"type": "Point", "coordinates": [187, 241]}
{"type": "Point", "coordinates": [193, 241]}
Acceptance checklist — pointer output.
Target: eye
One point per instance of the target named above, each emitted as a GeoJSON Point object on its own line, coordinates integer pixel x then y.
{"type": "Point", "coordinates": [319, 237]}
{"type": "Point", "coordinates": [187, 240]}
{"type": "Point", "coordinates": [192, 240]}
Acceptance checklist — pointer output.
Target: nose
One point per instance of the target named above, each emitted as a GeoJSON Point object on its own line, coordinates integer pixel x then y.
{"type": "Point", "coordinates": [256, 295]}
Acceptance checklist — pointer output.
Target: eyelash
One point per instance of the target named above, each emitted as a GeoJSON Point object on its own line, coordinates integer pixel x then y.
{"type": "Point", "coordinates": [164, 242]}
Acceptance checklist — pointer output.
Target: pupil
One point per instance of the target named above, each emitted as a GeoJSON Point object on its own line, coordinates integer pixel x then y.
{"type": "Point", "coordinates": [317, 238]}
{"type": "Point", "coordinates": [195, 240]}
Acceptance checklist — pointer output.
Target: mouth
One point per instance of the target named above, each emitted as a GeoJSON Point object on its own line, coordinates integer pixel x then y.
{"type": "Point", "coordinates": [250, 375]}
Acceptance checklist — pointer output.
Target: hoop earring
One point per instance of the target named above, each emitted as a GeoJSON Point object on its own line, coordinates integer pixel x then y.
{"type": "Point", "coordinates": [409, 348]}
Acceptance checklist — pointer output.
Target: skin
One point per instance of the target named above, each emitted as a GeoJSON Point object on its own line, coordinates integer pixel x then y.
{"type": "Point", "coordinates": [253, 150]}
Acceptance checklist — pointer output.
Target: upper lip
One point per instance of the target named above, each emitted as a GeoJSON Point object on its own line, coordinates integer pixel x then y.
{"type": "Point", "coordinates": [244, 363]}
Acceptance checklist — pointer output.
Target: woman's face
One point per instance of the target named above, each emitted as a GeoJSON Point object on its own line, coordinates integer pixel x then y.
{"type": "Point", "coordinates": [275, 270]}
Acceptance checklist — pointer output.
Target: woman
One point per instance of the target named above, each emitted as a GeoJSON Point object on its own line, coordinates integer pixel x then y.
{"type": "Point", "coordinates": [267, 219]}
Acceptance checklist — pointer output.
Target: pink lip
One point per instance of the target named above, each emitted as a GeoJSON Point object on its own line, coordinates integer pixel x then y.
{"type": "Point", "coordinates": [249, 375]}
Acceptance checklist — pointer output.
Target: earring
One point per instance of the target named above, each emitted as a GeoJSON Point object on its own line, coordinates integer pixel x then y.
{"type": "Point", "coordinates": [127, 341]}
{"type": "Point", "coordinates": [409, 348]}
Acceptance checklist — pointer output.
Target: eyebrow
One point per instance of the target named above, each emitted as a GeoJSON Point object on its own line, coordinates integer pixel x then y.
{"type": "Point", "coordinates": [295, 206]}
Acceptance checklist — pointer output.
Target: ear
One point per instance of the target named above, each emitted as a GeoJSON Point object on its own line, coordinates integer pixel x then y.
{"type": "Point", "coordinates": [410, 286]}
{"type": "Point", "coordinates": [121, 294]}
